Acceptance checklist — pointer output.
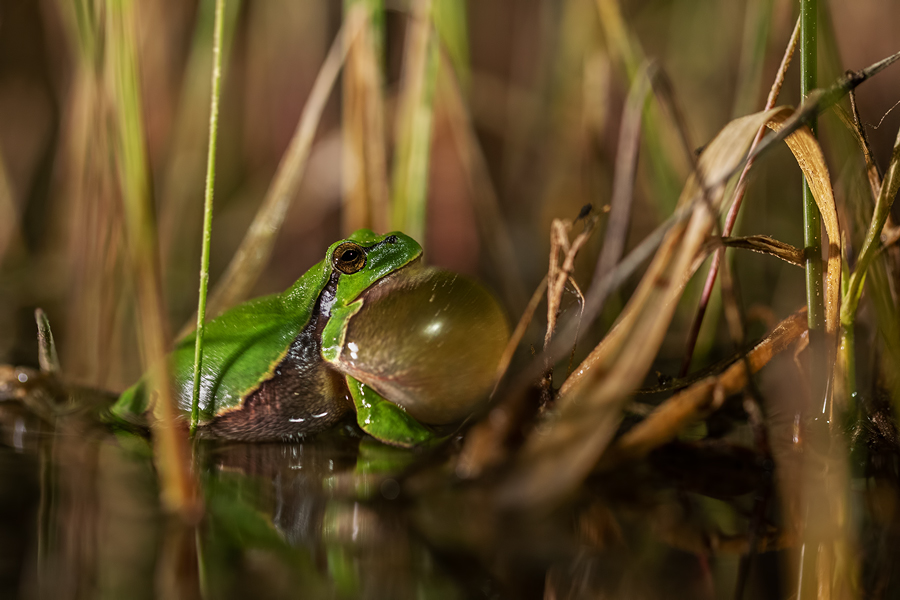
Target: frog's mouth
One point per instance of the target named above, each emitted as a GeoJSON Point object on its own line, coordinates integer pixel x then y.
{"type": "Point", "coordinates": [399, 278]}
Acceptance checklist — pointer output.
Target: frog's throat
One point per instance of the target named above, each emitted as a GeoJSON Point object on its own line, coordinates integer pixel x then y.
{"type": "Point", "coordinates": [335, 330]}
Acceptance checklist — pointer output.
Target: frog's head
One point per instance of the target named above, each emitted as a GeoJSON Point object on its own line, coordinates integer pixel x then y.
{"type": "Point", "coordinates": [364, 258]}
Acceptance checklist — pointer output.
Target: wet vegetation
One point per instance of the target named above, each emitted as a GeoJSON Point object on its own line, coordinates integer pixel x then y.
{"type": "Point", "coordinates": [684, 207]}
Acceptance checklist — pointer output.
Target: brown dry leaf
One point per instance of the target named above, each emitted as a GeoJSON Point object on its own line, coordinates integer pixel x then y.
{"type": "Point", "coordinates": [558, 455]}
{"type": "Point", "coordinates": [765, 245]}
{"type": "Point", "coordinates": [808, 153]}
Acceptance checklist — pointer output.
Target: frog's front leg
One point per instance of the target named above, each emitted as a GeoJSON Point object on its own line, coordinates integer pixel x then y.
{"type": "Point", "coordinates": [384, 420]}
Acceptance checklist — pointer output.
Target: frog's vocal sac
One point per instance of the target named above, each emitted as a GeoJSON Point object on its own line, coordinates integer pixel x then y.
{"type": "Point", "coordinates": [368, 329]}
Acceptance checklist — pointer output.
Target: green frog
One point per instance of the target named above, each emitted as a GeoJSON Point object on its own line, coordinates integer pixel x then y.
{"type": "Point", "coordinates": [368, 329]}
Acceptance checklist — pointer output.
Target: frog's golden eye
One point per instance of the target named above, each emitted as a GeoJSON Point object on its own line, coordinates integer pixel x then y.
{"type": "Point", "coordinates": [349, 258]}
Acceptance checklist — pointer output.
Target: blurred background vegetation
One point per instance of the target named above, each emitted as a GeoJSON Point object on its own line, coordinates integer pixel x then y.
{"type": "Point", "coordinates": [471, 126]}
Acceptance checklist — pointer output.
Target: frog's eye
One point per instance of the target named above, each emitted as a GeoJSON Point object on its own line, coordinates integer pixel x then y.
{"type": "Point", "coordinates": [349, 258]}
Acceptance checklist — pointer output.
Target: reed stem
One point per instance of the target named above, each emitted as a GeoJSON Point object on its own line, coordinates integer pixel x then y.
{"type": "Point", "coordinates": [207, 210]}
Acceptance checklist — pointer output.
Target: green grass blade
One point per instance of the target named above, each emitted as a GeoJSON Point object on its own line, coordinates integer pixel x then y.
{"type": "Point", "coordinates": [180, 214]}
{"type": "Point", "coordinates": [450, 21]}
{"type": "Point", "coordinates": [364, 171]}
{"type": "Point", "coordinates": [414, 125]}
{"type": "Point", "coordinates": [256, 247]}
{"type": "Point", "coordinates": [207, 209]}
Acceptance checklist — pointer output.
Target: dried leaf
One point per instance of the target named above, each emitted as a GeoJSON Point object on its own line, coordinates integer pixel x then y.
{"type": "Point", "coordinates": [808, 153]}
{"type": "Point", "coordinates": [765, 245]}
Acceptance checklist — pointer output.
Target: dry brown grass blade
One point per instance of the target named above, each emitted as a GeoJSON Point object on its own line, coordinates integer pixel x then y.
{"type": "Point", "coordinates": [558, 275]}
{"type": "Point", "coordinates": [764, 245]}
{"type": "Point", "coordinates": [853, 124]}
{"type": "Point", "coordinates": [178, 486]}
{"type": "Point", "coordinates": [414, 120]}
{"type": "Point", "coordinates": [9, 220]}
{"type": "Point", "coordinates": [494, 234]}
{"type": "Point", "coordinates": [623, 184]}
{"type": "Point", "coordinates": [808, 153]}
{"type": "Point", "coordinates": [486, 443]}
{"type": "Point", "coordinates": [557, 458]}
{"type": "Point", "coordinates": [365, 164]}
{"type": "Point", "coordinates": [694, 402]}
{"type": "Point", "coordinates": [256, 247]}
{"type": "Point", "coordinates": [519, 331]}
{"type": "Point", "coordinates": [47, 356]}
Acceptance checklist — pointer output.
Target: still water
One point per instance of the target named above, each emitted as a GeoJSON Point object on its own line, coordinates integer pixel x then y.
{"type": "Point", "coordinates": [342, 516]}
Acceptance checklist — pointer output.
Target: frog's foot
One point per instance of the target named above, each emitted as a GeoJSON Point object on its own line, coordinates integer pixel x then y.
{"type": "Point", "coordinates": [384, 420]}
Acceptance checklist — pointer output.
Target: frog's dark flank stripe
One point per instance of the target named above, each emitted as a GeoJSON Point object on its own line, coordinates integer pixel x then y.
{"type": "Point", "coordinates": [301, 395]}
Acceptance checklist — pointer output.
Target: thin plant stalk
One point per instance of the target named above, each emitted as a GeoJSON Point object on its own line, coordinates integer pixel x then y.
{"type": "Point", "coordinates": [409, 188]}
{"type": "Point", "coordinates": [256, 247]}
{"type": "Point", "coordinates": [364, 172]}
{"type": "Point", "coordinates": [178, 488]}
{"type": "Point", "coordinates": [207, 210]}
{"type": "Point", "coordinates": [9, 220]}
{"type": "Point", "coordinates": [624, 45]}
{"type": "Point", "coordinates": [872, 243]}
{"type": "Point", "coordinates": [846, 352]}
{"type": "Point", "coordinates": [184, 169]}
{"type": "Point", "coordinates": [731, 217]}
{"type": "Point", "coordinates": [824, 535]}
{"type": "Point", "coordinates": [812, 223]}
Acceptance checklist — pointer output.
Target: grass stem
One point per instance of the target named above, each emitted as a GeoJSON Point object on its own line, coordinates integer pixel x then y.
{"type": "Point", "coordinates": [812, 223]}
{"type": "Point", "coordinates": [207, 210]}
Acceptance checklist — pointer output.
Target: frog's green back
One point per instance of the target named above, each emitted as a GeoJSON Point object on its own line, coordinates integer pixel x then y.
{"type": "Point", "coordinates": [239, 348]}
